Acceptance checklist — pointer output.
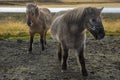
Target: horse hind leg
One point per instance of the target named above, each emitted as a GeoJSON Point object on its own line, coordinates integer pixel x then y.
{"type": "Point", "coordinates": [45, 38]}
{"type": "Point", "coordinates": [59, 52]}
{"type": "Point", "coordinates": [65, 56]}
{"type": "Point", "coordinates": [42, 43]}
{"type": "Point", "coordinates": [82, 61]}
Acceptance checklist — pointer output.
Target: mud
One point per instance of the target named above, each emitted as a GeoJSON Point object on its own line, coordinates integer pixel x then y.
{"type": "Point", "coordinates": [102, 61]}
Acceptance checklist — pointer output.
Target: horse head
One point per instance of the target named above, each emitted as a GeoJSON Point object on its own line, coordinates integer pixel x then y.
{"type": "Point", "coordinates": [32, 12]}
{"type": "Point", "coordinates": [94, 22]}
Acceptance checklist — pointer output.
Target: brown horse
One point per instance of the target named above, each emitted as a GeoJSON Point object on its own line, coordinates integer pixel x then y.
{"type": "Point", "coordinates": [69, 30]}
{"type": "Point", "coordinates": [38, 20]}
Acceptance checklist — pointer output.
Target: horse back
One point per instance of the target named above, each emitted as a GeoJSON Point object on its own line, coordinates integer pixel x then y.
{"type": "Point", "coordinates": [47, 14]}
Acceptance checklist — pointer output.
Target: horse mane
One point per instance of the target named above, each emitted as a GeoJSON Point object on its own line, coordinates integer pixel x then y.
{"type": "Point", "coordinates": [59, 13]}
{"type": "Point", "coordinates": [74, 16]}
{"type": "Point", "coordinates": [77, 15]}
{"type": "Point", "coordinates": [45, 10]}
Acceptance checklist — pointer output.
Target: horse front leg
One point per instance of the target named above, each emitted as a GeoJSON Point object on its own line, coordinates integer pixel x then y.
{"type": "Point", "coordinates": [31, 41]}
{"type": "Point", "coordinates": [65, 56]}
{"type": "Point", "coordinates": [82, 60]}
{"type": "Point", "coordinates": [42, 42]}
{"type": "Point", "coordinates": [59, 52]}
{"type": "Point", "coordinates": [45, 38]}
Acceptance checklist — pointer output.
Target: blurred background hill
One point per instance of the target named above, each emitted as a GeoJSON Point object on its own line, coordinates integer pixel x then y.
{"type": "Point", "coordinates": [62, 1]}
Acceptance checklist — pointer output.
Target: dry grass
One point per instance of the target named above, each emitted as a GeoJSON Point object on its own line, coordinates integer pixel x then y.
{"type": "Point", "coordinates": [66, 3]}
{"type": "Point", "coordinates": [15, 28]}
{"type": "Point", "coordinates": [89, 0]}
{"type": "Point", "coordinates": [80, 5]}
{"type": "Point", "coordinates": [11, 27]}
{"type": "Point", "coordinates": [112, 27]}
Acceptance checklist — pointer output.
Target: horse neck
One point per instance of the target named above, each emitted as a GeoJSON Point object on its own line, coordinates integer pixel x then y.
{"type": "Point", "coordinates": [75, 19]}
{"type": "Point", "coordinates": [35, 19]}
{"type": "Point", "coordinates": [82, 23]}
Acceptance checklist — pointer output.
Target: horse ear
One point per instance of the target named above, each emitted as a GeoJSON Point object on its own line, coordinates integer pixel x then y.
{"type": "Point", "coordinates": [35, 3]}
{"type": "Point", "coordinates": [100, 9]}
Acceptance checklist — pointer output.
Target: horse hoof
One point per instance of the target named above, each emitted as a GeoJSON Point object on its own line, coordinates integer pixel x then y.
{"type": "Point", "coordinates": [64, 68]}
{"type": "Point", "coordinates": [43, 49]}
{"type": "Point", "coordinates": [85, 74]}
{"type": "Point", "coordinates": [29, 52]}
{"type": "Point", "coordinates": [63, 71]}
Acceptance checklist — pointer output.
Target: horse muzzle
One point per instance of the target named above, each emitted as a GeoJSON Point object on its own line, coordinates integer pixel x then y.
{"type": "Point", "coordinates": [99, 33]}
{"type": "Point", "coordinates": [100, 36]}
{"type": "Point", "coordinates": [97, 30]}
{"type": "Point", "coordinates": [29, 23]}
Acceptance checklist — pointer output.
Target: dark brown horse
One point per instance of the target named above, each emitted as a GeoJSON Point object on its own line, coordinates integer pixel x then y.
{"type": "Point", "coordinates": [69, 30]}
{"type": "Point", "coordinates": [38, 20]}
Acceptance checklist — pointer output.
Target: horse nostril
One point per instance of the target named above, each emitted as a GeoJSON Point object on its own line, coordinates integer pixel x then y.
{"type": "Point", "coordinates": [29, 23]}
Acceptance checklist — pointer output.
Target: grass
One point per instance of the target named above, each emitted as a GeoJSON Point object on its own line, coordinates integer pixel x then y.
{"type": "Point", "coordinates": [13, 30]}
{"type": "Point", "coordinates": [13, 26]}
{"type": "Point", "coordinates": [112, 27]}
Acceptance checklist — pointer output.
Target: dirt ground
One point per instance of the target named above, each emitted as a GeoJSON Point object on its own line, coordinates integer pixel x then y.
{"type": "Point", "coordinates": [102, 61]}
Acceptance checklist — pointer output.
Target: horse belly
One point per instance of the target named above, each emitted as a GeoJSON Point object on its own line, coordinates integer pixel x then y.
{"type": "Point", "coordinates": [70, 44]}
{"type": "Point", "coordinates": [73, 42]}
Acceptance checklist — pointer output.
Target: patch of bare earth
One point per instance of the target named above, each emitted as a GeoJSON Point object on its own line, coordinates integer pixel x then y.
{"type": "Point", "coordinates": [102, 61]}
